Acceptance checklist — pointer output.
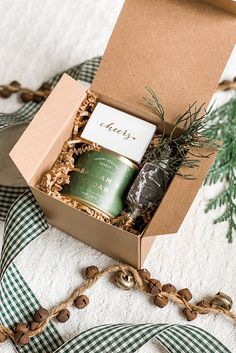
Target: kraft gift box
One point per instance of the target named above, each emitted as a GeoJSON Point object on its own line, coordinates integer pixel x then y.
{"type": "Point", "coordinates": [179, 48]}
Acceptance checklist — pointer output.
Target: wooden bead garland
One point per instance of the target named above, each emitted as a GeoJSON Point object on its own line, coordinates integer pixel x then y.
{"type": "Point", "coordinates": [26, 94]}
{"type": "Point", "coordinates": [162, 295]}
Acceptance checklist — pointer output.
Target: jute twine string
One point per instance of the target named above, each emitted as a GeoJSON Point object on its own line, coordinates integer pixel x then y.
{"type": "Point", "coordinates": [140, 285]}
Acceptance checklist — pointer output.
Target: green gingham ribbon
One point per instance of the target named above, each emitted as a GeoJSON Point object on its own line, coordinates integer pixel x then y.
{"type": "Point", "coordinates": [8, 194]}
{"type": "Point", "coordinates": [125, 338]}
{"type": "Point", "coordinates": [24, 222]}
{"type": "Point", "coordinates": [83, 72]}
{"type": "Point", "coordinates": [18, 303]}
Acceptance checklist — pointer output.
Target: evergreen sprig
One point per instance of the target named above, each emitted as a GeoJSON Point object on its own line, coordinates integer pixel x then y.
{"type": "Point", "coordinates": [222, 126]}
{"type": "Point", "coordinates": [189, 130]}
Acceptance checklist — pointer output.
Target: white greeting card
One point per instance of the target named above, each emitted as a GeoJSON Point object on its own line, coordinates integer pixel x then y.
{"type": "Point", "coordinates": [119, 132]}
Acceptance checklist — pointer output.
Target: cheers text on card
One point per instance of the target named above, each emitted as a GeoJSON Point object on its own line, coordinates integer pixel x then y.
{"type": "Point", "coordinates": [112, 128]}
{"type": "Point", "coordinates": [119, 132]}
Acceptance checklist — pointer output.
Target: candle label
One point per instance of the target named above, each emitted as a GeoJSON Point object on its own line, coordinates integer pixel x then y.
{"type": "Point", "coordinates": [101, 180]}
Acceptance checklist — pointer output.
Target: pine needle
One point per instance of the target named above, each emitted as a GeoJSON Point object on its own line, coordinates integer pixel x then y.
{"type": "Point", "coordinates": [194, 134]}
{"type": "Point", "coordinates": [219, 124]}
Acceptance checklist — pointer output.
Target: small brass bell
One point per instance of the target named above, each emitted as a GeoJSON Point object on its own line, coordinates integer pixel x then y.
{"type": "Point", "coordinates": [124, 280]}
{"type": "Point", "coordinates": [221, 300]}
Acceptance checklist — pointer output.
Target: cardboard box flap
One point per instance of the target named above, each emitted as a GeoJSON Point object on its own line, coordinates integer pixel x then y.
{"type": "Point", "coordinates": [227, 5]}
{"type": "Point", "coordinates": [178, 198]}
{"type": "Point", "coordinates": [177, 47]}
{"type": "Point", "coordinates": [48, 131]}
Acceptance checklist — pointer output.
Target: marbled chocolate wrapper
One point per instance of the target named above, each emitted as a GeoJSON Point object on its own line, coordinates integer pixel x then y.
{"type": "Point", "coordinates": [150, 185]}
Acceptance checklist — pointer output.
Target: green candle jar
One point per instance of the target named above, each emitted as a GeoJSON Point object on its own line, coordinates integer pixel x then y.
{"type": "Point", "coordinates": [101, 180]}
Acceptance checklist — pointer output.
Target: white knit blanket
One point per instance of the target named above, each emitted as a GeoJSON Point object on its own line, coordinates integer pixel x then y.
{"type": "Point", "coordinates": [39, 39]}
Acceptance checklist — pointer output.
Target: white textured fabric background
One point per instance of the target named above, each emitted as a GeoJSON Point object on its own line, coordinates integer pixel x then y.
{"type": "Point", "coordinates": [37, 40]}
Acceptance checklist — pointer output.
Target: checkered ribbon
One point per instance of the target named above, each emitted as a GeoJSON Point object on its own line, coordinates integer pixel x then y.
{"type": "Point", "coordinates": [129, 338]}
{"type": "Point", "coordinates": [24, 222]}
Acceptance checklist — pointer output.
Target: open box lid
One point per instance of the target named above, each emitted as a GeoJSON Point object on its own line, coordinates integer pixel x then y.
{"type": "Point", "coordinates": [177, 47]}
{"type": "Point", "coordinates": [40, 144]}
